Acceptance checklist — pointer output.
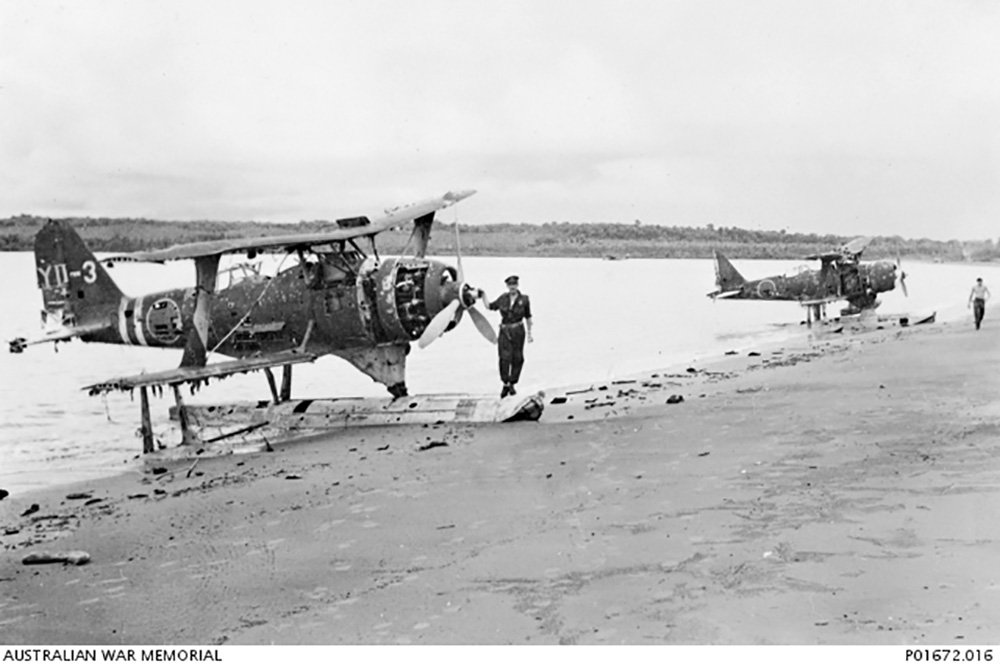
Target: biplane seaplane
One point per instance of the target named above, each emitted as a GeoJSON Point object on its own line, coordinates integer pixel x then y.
{"type": "Point", "coordinates": [335, 299]}
{"type": "Point", "coordinates": [841, 276]}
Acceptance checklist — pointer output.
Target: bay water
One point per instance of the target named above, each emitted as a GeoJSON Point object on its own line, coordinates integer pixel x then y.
{"type": "Point", "coordinates": [595, 320]}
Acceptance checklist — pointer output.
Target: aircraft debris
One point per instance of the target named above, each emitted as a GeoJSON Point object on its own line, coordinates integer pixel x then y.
{"type": "Point", "coordinates": [63, 557]}
{"type": "Point", "coordinates": [431, 445]}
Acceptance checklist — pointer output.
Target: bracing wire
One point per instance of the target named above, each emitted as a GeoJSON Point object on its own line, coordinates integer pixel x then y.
{"type": "Point", "coordinates": [252, 306]}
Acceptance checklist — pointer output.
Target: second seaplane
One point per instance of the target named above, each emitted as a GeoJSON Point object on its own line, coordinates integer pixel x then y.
{"type": "Point", "coordinates": [841, 276]}
{"type": "Point", "coordinates": [335, 298]}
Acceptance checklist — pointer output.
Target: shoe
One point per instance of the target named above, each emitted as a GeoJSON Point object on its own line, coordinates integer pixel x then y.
{"type": "Point", "coordinates": [512, 391]}
{"type": "Point", "coordinates": [505, 391]}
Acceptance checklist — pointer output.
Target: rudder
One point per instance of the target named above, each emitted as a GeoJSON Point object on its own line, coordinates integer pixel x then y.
{"type": "Point", "coordinates": [76, 289]}
{"type": "Point", "coordinates": [727, 278]}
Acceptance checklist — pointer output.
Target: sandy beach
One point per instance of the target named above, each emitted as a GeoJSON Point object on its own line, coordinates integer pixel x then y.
{"type": "Point", "coordinates": [843, 492]}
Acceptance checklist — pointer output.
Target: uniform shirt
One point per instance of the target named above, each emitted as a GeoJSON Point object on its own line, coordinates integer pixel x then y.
{"type": "Point", "coordinates": [512, 310]}
{"type": "Point", "coordinates": [979, 292]}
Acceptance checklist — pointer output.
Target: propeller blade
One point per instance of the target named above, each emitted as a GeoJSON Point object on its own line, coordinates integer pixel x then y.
{"type": "Point", "coordinates": [902, 276]}
{"type": "Point", "coordinates": [437, 325]}
{"type": "Point", "coordinates": [458, 253]}
{"type": "Point", "coordinates": [483, 325]}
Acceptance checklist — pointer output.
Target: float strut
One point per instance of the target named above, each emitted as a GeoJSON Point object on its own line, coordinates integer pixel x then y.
{"type": "Point", "coordinates": [273, 386]}
{"type": "Point", "coordinates": [147, 426]}
{"type": "Point", "coordinates": [187, 436]}
{"type": "Point", "coordinates": [286, 382]}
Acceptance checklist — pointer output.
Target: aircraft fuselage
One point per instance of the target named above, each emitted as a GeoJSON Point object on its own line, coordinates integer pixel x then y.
{"type": "Point", "coordinates": [842, 281]}
{"type": "Point", "coordinates": [367, 305]}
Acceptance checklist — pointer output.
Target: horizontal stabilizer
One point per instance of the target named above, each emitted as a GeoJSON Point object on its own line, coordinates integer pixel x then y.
{"type": "Point", "coordinates": [57, 335]}
{"type": "Point", "coordinates": [198, 374]}
{"type": "Point", "coordinates": [718, 294]}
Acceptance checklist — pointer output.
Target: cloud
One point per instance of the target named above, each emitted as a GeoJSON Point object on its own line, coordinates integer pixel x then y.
{"type": "Point", "coordinates": [805, 115]}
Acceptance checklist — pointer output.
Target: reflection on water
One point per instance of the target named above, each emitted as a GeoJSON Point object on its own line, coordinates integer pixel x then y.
{"type": "Point", "coordinates": [594, 320]}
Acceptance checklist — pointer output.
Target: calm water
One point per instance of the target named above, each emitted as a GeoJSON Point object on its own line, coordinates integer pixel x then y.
{"type": "Point", "coordinates": [594, 320]}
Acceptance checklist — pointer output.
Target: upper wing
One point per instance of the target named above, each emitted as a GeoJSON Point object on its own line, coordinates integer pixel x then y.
{"type": "Point", "coordinates": [391, 218]}
{"type": "Point", "coordinates": [850, 250]}
{"type": "Point", "coordinates": [198, 374]}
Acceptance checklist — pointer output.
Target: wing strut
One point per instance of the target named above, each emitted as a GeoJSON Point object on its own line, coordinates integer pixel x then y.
{"type": "Point", "coordinates": [196, 349]}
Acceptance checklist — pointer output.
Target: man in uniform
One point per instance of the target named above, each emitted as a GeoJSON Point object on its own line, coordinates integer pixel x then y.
{"type": "Point", "coordinates": [515, 324]}
{"type": "Point", "coordinates": [977, 300]}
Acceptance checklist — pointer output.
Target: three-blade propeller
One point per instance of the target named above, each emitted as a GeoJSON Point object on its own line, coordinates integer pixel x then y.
{"type": "Point", "coordinates": [464, 301]}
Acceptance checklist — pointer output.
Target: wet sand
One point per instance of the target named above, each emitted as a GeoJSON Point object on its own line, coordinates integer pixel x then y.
{"type": "Point", "coordinates": [845, 492]}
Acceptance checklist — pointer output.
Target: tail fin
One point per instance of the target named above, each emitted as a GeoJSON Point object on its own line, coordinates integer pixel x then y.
{"type": "Point", "coordinates": [76, 290]}
{"type": "Point", "coordinates": [727, 278]}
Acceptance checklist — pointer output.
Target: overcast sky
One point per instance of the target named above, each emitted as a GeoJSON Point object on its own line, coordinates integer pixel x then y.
{"type": "Point", "coordinates": [843, 117]}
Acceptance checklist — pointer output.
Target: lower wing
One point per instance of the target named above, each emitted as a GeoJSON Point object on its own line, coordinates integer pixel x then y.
{"type": "Point", "coordinates": [198, 374]}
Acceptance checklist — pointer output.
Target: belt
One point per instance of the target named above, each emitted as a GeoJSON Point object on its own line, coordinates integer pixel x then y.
{"type": "Point", "coordinates": [512, 324]}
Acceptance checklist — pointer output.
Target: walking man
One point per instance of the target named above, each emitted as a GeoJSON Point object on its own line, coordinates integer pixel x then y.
{"type": "Point", "coordinates": [977, 300]}
{"type": "Point", "coordinates": [515, 324]}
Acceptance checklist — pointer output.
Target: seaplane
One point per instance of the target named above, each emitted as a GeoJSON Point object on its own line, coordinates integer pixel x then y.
{"type": "Point", "coordinates": [336, 297]}
{"type": "Point", "coordinates": [841, 276]}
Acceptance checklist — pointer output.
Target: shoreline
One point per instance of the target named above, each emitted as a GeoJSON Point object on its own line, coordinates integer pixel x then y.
{"type": "Point", "coordinates": [840, 493]}
{"type": "Point", "coordinates": [801, 338]}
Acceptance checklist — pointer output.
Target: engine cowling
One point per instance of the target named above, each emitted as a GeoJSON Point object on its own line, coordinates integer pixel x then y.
{"type": "Point", "coordinates": [881, 276]}
{"type": "Point", "coordinates": [410, 292]}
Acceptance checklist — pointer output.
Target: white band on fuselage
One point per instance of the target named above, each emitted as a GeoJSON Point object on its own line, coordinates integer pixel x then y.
{"type": "Point", "coordinates": [140, 336]}
{"type": "Point", "coordinates": [122, 321]}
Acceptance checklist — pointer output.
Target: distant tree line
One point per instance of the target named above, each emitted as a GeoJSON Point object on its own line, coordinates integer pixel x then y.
{"type": "Point", "coordinates": [552, 239]}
